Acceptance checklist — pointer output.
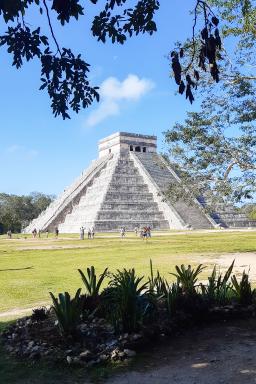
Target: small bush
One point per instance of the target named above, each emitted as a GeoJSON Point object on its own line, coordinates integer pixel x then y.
{"type": "Point", "coordinates": [187, 278]}
{"type": "Point", "coordinates": [126, 300]}
{"type": "Point", "coordinates": [243, 290]}
{"type": "Point", "coordinates": [39, 314]}
{"type": "Point", "coordinates": [219, 291]}
{"type": "Point", "coordinates": [91, 284]}
{"type": "Point", "coordinates": [68, 312]}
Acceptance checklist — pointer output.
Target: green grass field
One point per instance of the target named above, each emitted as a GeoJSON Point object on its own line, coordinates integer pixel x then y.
{"type": "Point", "coordinates": [30, 268]}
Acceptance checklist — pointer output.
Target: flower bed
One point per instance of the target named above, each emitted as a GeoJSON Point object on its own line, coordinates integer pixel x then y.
{"type": "Point", "coordinates": [126, 316]}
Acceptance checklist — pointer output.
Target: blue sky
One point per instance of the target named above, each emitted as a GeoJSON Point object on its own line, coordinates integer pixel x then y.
{"type": "Point", "coordinates": [41, 153]}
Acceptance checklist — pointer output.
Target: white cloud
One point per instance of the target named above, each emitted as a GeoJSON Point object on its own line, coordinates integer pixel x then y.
{"type": "Point", "coordinates": [113, 92]}
{"type": "Point", "coordinates": [13, 148]}
{"type": "Point", "coordinates": [22, 152]}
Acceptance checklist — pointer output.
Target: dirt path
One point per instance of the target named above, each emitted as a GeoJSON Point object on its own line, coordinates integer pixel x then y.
{"type": "Point", "coordinates": [18, 312]}
{"type": "Point", "coordinates": [220, 354]}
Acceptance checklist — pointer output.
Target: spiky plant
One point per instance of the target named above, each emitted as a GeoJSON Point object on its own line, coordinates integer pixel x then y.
{"type": "Point", "coordinates": [158, 286]}
{"type": "Point", "coordinates": [91, 283]}
{"type": "Point", "coordinates": [68, 311]}
{"type": "Point", "coordinates": [187, 277]}
{"type": "Point", "coordinates": [243, 290]}
{"type": "Point", "coordinates": [125, 299]}
{"type": "Point", "coordinates": [172, 297]}
{"type": "Point", "coordinates": [219, 290]}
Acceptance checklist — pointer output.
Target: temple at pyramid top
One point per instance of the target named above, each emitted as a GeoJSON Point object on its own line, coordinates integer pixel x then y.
{"type": "Point", "coordinates": [121, 142]}
{"type": "Point", "coordinates": [126, 187]}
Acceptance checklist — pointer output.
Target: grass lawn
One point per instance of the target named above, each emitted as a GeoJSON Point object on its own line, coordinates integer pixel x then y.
{"type": "Point", "coordinates": [30, 268]}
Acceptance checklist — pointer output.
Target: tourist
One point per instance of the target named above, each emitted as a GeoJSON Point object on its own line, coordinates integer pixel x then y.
{"type": "Point", "coordinates": [34, 233]}
{"type": "Point", "coordinates": [149, 231]}
{"type": "Point", "coordinates": [92, 232]}
{"type": "Point", "coordinates": [39, 233]}
{"type": "Point", "coordinates": [145, 233]}
{"type": "Point", "coordinates": [47, 233]}
{"type": "Point", "coordinates": [82, 233]}
{"type": "Point", "coordinates": [89, 234]}
{"type": "Point", "coordinates": [122, 232]}
{"type": "Point", "coordinates": [56, 233]}
{"type": "Point", "coordinates": [136, 231]}
{"type": "Point", "coordinates": [9, 234]}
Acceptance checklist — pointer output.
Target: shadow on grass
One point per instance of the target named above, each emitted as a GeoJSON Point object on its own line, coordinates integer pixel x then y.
{"type": "Point", "coordinates": [16, 269]}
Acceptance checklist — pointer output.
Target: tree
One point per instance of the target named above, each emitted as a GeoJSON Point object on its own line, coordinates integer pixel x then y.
{"type": "Point", "coordinates": [18, 211]}
{"type": "Point", "coordinates": [216, 147]}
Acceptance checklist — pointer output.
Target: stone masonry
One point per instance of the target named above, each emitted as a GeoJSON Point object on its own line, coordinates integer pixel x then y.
{"type": "Point", "coordinates": [125, 187]}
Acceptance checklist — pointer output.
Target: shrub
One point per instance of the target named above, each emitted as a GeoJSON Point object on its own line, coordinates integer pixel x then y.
{"type": "Point", "coordinates": [187, 278]}
{"type": "Point", "coordinates": [92, 286]}
{"type": "Point", "coordinates": [39, 314]}
{"type": "Point", "coordinates": [219, 290]}
{"type": "Point", "coordinates": [68, 312]}
{"type": "Point", "coordinates": [172, 297]}
{"type": "Point", "coordinates": [158, 286]}
{"type": "Point", "coordinates": [243, 290]}
{"type": "Point", "coordinates": [126, 300]}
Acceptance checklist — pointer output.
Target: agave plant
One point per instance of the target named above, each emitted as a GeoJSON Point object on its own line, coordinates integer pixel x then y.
{"type": "Point", "coordinates": [158, 286]}
{"type": "Point", "coordinates": [219, 290]}
{"type": "Point", "coordinates": [92, 286]}
{"type": "Point", "coordinates": [243, 290]}
{"type": "Point", "coordinates": [172, 296]}
{"type": "Point", "coordinates": [187, 278]}
{"type": "Point", "coordinates": [126, 299]}
{"type": "Point", "coordinates": [68, 311]}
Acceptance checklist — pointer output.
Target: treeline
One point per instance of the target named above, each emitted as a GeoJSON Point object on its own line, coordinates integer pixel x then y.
{"type": "Point", "coordinates": [17, 211]}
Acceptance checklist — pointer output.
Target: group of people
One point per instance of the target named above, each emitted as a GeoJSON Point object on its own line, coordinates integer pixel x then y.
{"type": "Point", "coordinates": [36, 233]}
{"type": "Point", "coordinates": [145, 232]}
{"type": "Point", "coordinates": [90, 233]}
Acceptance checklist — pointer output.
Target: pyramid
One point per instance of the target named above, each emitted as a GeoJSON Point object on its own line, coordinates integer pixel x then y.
{"type": "Point", "coordinates": [125, 186]}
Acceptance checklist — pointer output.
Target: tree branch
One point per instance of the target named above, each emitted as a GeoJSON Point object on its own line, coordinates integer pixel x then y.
{"type": "Point", "coordinates": [50, 26]}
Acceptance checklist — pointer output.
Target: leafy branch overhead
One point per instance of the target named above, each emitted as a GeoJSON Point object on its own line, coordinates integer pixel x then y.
{"type": "Point", "coordinates": [197, 55]}
{"type": "Point", "coordinates": [63, 74]}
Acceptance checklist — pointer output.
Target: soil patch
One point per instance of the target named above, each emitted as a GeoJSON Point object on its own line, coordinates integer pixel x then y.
{"type": "Point", "coordinates": [223, 353]}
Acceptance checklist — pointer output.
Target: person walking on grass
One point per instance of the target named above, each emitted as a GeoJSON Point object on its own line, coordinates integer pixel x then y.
{"type": "Point", "coordinates": [82, 233]}
{"type": "Point", "coordinates": [92, 232]}
{"type": "Point", "coordinates": [89, 234]}
{"type": "Point", "coordinates": [56, 233]}
{"type": "Point", "coordinates": [9, 234]}
{"type": "Point", "coordinates": [122, 232]}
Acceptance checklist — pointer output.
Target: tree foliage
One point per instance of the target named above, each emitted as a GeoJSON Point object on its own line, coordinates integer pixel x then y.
{"type": "Point", "coordinates": [17, 211]}
{"type": "Point", "coordinates": [64, 74]}
{"type": "Point", "coordinates": [216, 146]}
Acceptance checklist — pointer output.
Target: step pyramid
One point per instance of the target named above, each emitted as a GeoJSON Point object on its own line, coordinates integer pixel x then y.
{"type": "Point", "coordinates": [126, 187]}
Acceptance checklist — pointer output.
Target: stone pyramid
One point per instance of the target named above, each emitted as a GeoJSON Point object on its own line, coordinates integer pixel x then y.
{"type": "Point", "coordinates": [125, 187]}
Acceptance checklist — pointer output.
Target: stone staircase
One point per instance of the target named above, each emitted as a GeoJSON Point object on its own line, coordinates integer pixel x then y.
{"type": "Point", "coordinates": [227, 215]}
{"type": "Point", "coordinates": [192, 214]}
{"type": "Point", "coordinates": [57, 210]}
{"type": "Point", "coordinates": [117, 197]}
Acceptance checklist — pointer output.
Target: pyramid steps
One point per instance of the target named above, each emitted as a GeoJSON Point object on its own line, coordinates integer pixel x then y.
{"type": "Point", "coordinates": [117, 197]}
{"type": "Point", "coordinates": [51, 217]}
{"type": "Point", "coordinates": [127, 187]}
{"type": "Point", "coordinates": [191, 214]}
